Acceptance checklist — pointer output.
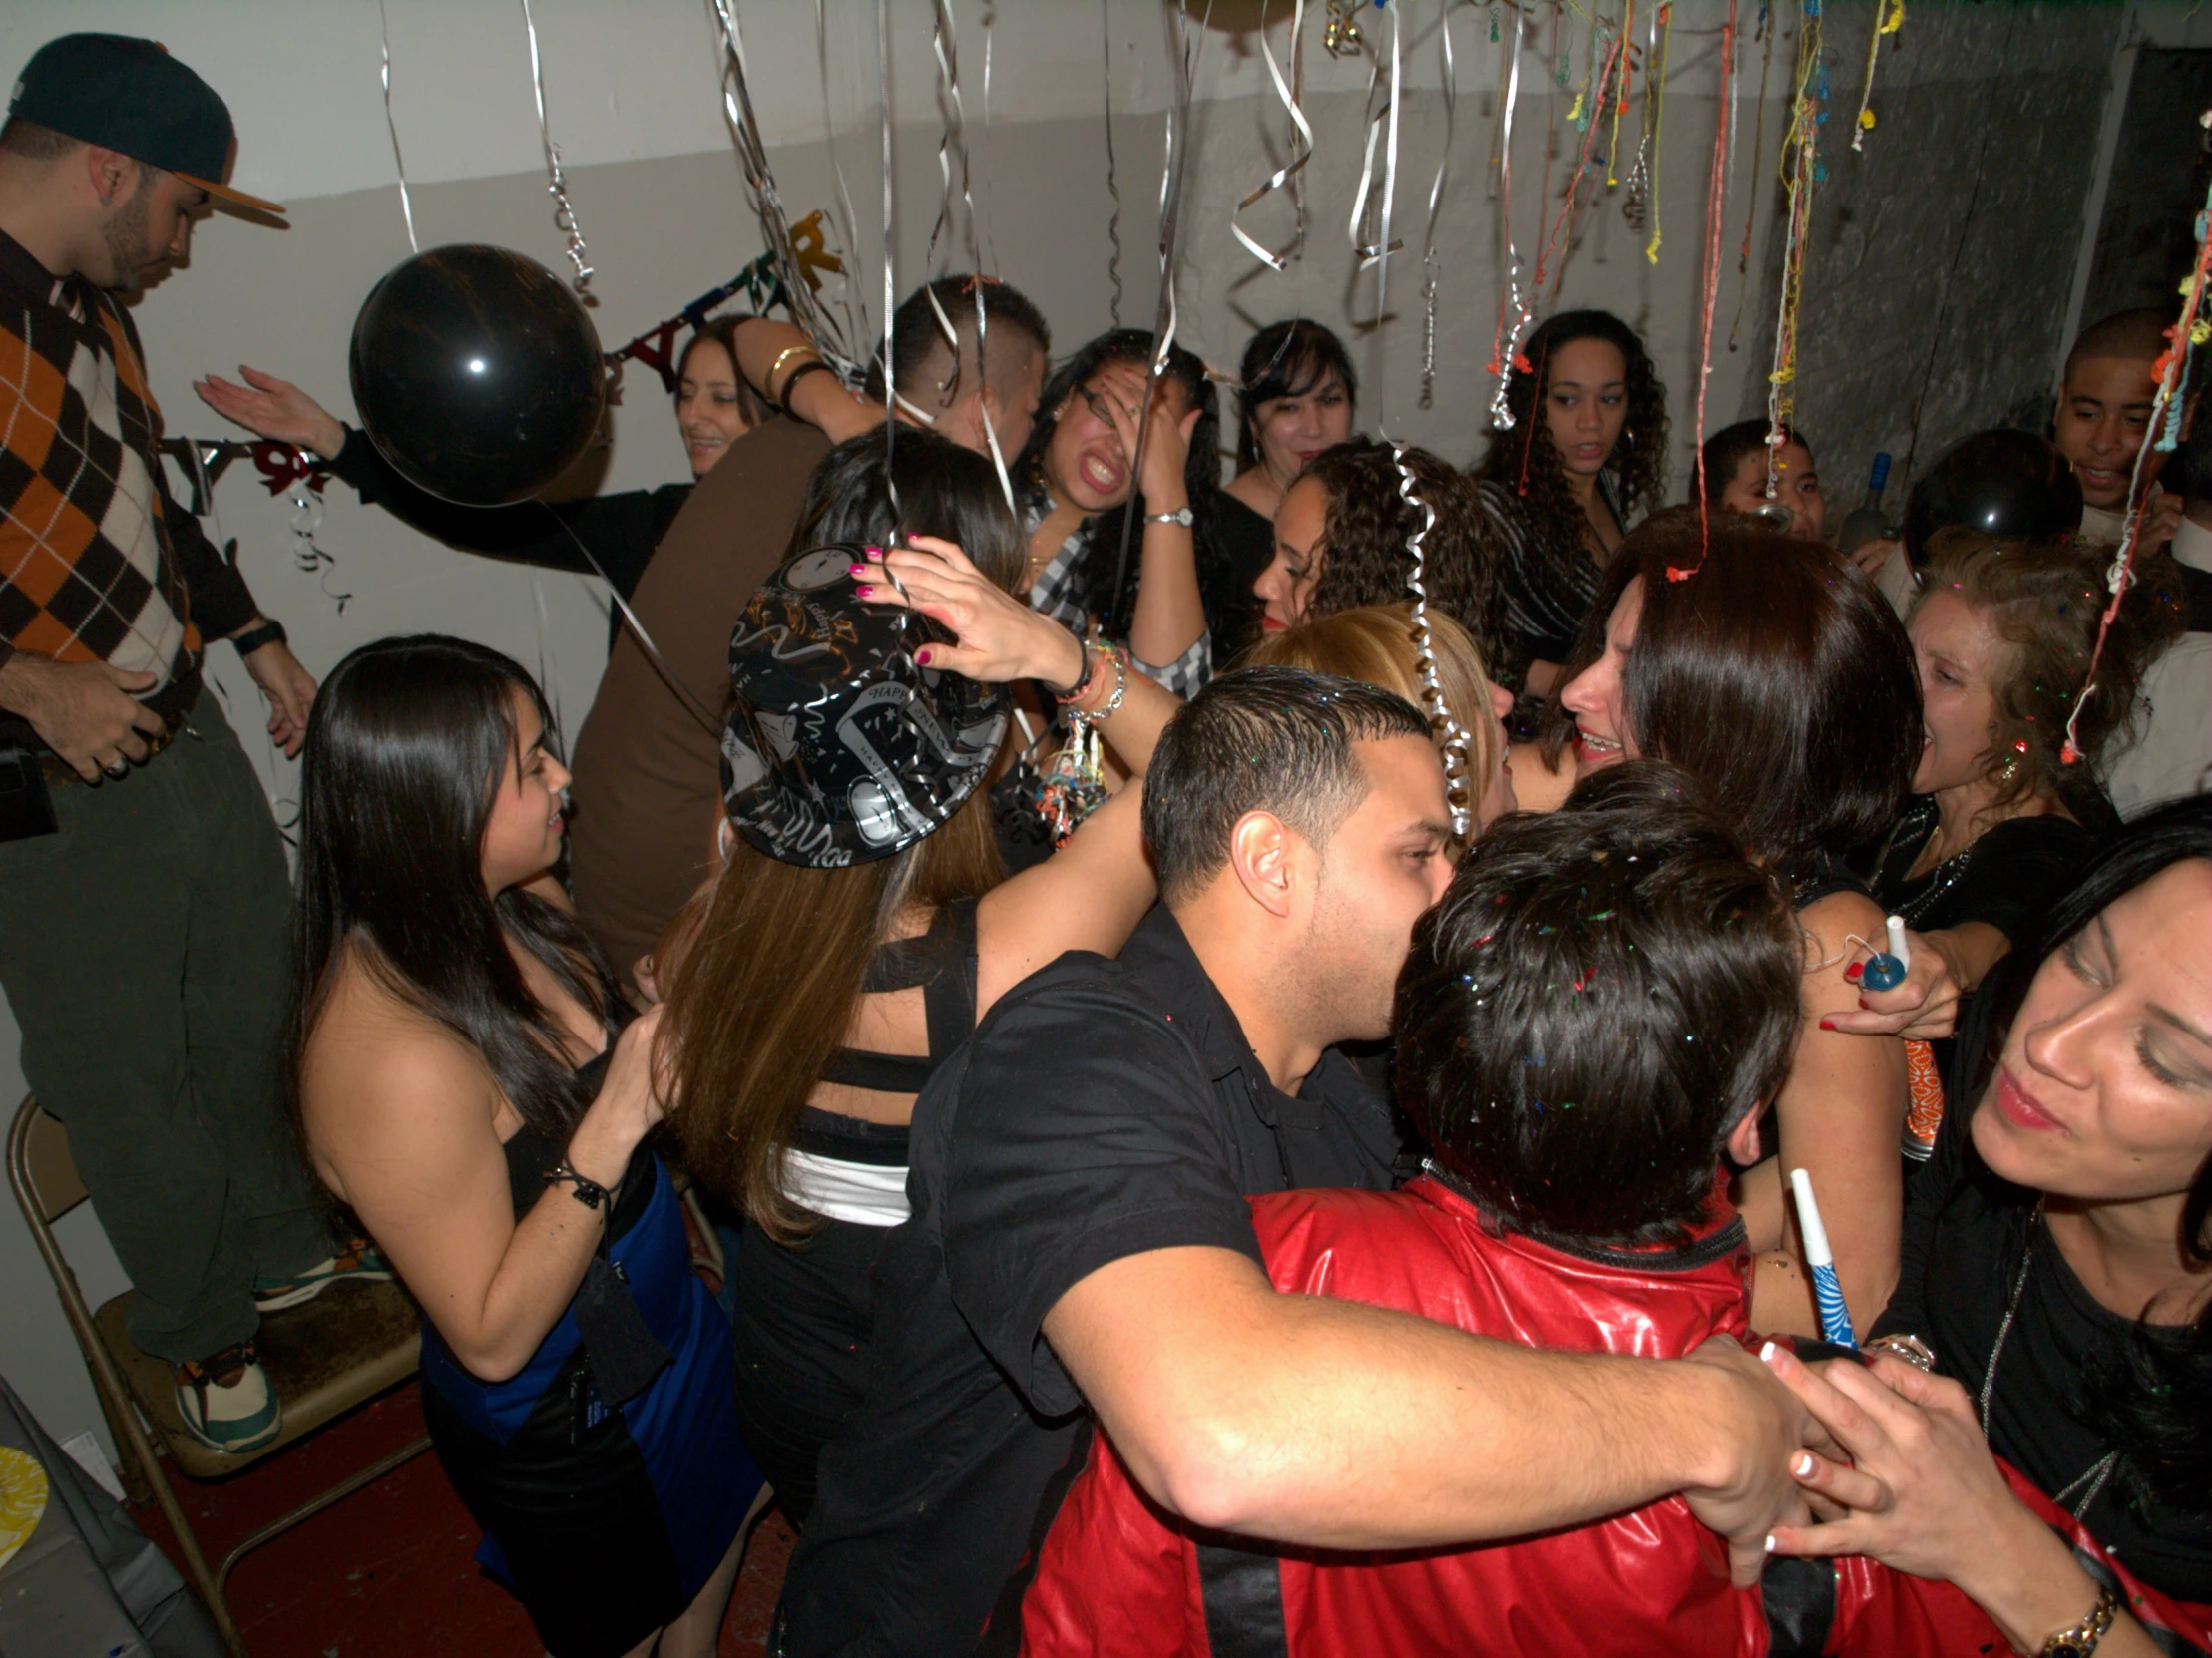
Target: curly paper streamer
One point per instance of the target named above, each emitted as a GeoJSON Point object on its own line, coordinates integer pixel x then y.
{"type": "Point", "coordinates": [1563, 227]}
{"type": "Point", "coordinates": [768, 203]}
{"type": "Point", "coordinates": [1663, 33]}
{"type": "Point", "coordinates": [1429, 262]}
{"type": "Point", "coordinates": [844, 239]}
{"type": "Point", "coordinates": [406, 206]}
{"type": "Point", "coordinates": [1456, 793]}
{"type": "Point", "coordinates": [1505, 344]}
{"type": "Point", "coordinates": [1301, 147]}
{"type": "Point", "coordinates": [944, 42]}
{"type": "Point", "coordinates": [1889, 17]}
{"type": "Point", "coordinates": [1166, 318]}
{"type": "Point", "coordinates": [2172, 370]}
{"type": "Point", "coordinates": [556, 185]}
{"type": "Point", "coordinates": [1113, 185]}
{"type": "Point", "coordinates": [1801, 148]}
{"type": "Point", "coordinates": [890, 250]}
{"type": "Point", "coordinates": [1715, 213]}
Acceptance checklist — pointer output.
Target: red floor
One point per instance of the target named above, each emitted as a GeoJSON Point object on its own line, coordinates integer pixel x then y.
{"type": "Point", "coordinates": [389, 1569]}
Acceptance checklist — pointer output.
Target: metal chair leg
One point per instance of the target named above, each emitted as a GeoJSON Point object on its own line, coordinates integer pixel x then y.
{"type": "Point", "coordinates": [315, 1506]}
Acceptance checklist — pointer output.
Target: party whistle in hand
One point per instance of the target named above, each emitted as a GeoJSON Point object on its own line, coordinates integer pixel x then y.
{"type": "Point", "coordinates": [1887, 971]}
{"type": "Point", "coordinates": [1835, 1317]}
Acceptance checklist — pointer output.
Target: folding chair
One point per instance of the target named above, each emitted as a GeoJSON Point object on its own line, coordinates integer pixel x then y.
{"type": "Point", "coordinates": [323, 1358]}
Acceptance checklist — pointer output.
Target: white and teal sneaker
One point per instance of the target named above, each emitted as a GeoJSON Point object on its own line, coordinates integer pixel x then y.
{"type": "Point", "coordinates": [227, 1401]}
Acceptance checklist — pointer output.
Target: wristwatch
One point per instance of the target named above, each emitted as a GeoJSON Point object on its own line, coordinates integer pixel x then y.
{"type": "Point", "coordinates": [2082, 1638]}
{"type": "Point", "coordinates": [269, 633]}
{"type": "Point", "coordinates": [1183, 517]}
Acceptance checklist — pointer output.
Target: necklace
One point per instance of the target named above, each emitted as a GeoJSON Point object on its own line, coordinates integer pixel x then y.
{"type": "Point", "coordinates": [2098, 1473]}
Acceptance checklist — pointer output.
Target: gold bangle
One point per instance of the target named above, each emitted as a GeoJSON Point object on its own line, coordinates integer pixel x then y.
{"type": "Point", "coordinates": [776, 367]}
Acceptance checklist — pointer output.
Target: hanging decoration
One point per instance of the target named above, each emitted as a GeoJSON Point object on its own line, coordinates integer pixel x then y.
{"type": "Point", "coordinates": [1766, 29]}
{"type": "Point", "coordinates": [990, 245]}
{"type": "Point", "coordinates": [1170, 228]}
{"type": "Point", "coordinates": [1428, 266]}
{"type": "Point", "coordinates": [556, 185]}
{"type": "Point", "coordinates": [813, 321]}
{"type": "Point", "coordinates": [406, 206]}
{"type": "Point", "coordinates": [841, 234]}
{"type": "Point", "coordinates": [761, 284]}
{"type": "Point", "coordinates": [1889, 17]}
{"type": "Point", "coordinates": [1457, 794]}
{"type": "Point", "coordinates": [1342, 37]}
{"type": "Point", "coordinates": [945, 44]}
{"type": "Point", "coordinates": [1802, 170]}
{"type": "Point", "coordinates": [1113, 185]}
{"type": "Point", "coordinates": [1716, 213]}
{"type": "Point", "coordinates": [1301, 146]}
{"type": "Point", "coordinates": [1621, 95]}
{"type": "Point", "coordinates": [1654, 98]}
{"type": "Point", "coordinates": [1504, 345]}
{"type": "Point", "coordinates": [1563, 227]}
{"type": "Point", "coordinates": [2192, 330]}
{"type": "Point", "coordinates": [205, 460]}
{"type": "Point", "coordinates": [890, 251]}
{"type": "Point", "coordinates": [1381, 125]}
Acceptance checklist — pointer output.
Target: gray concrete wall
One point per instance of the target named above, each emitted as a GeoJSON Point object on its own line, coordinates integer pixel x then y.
{"type": "Point", "coordinates": [1942, 256]}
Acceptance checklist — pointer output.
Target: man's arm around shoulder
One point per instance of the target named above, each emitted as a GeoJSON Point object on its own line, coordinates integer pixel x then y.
{"type": "Point", "coordinates": [1339, 1426]}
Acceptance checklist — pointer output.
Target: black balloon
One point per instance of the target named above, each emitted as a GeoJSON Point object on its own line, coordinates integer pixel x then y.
{"type": "Point", "coordinates": [477, 374]}
{"type": "Point", "coordinates": [2002, 483]}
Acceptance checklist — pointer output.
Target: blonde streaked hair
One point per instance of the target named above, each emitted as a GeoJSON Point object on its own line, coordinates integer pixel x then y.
{"type": "Point", "coordinates": [1374, 644]}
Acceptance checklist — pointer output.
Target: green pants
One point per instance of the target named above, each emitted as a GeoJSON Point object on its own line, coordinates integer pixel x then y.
{"type": "Point", "coordinates": [144, 950]}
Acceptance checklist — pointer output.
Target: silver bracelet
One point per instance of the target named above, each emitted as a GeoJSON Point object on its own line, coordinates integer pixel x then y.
{"type": "Point", "coordinates": [1911, 1349]}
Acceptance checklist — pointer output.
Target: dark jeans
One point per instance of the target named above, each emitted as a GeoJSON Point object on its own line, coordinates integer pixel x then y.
{"type": "Point", "coordinates": [143, 949]}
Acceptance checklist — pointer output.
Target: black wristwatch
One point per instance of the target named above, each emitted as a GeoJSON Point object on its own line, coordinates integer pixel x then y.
{"type": "Point", "coordinates": [269, 633]}
{"type": "Point", "coordinates": [584, 1190]}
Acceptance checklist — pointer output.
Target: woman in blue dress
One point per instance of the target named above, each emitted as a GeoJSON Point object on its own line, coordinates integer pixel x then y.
{"type": "Point", "coordinates": [464, 1082]}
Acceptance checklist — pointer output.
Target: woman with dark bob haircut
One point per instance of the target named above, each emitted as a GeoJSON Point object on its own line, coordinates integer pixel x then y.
{"type": "Point", "coordinates": [2058, 1275]}
{"type": "Point", "coordinates": [1775, 672]}
{"type": "Point", "coordinates": [462, 1082]}
{"type": "Point", "coordinates": [1296, 395]}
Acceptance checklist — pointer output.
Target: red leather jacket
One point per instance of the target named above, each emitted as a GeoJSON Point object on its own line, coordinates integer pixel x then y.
{"type": "Point", "coordinates": [1118, 1576]}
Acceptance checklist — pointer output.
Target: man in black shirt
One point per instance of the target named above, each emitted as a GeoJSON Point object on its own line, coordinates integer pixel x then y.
{"type": "Point", "coordinates": [1079, 1236]}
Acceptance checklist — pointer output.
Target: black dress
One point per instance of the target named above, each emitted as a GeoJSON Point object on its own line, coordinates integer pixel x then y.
{"type": "Point", "coordinates": [620, 530]}
{"type": "Point", "coordinates": [1974, 1247]}
{"type": "Point", "coordinates": [1237, 545]}
{"type": "Point", "coordinates": [1548, 591]}
{"type": "Point", "coordinates": [802, 1312]}
{"type": "Point", "coordinates": [607, 1515]}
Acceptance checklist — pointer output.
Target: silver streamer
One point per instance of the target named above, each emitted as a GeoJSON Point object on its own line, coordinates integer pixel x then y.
{"type": "Point", "coordinates": [557, 185]}
{"type": "Point", "coordinates": [768, 203]}
{"type": "Point", "coordinates": [1436, 195]}
{"type": "Point", "coordinates": [890, 251]}
{"type": "Point", "coordinates": [1458, 792]}
{"type": "Point", "coordinates": [406, 208]}
{"type": "Point", "coordinates": [1113, 184]}
{"type": "Point", "coordinates": [1301, 147]}
{"type": "Point", "coordinates": [1501, 415]}
{"type": "Point", "coordinates": [945, 43]}
{"type": "Point", "coordinates": [845, 240]}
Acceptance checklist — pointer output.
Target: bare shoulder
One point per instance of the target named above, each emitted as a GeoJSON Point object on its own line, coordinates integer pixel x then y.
{"type": "Point", "coordinates": [377, 1068]}
{"type": "Point", "coordinates": [1830, 923]}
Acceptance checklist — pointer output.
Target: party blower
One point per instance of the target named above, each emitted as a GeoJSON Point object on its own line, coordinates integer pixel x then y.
{"type": "Point", "coordinates": [1835, 1317]}
{"type": "Point", "coordinates": [1887, 971]}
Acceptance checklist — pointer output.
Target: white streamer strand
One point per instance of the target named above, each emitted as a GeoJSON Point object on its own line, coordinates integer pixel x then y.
{"type": "Point", "coordinates": [1301, 147]}
{"type": "Point", "coordinates": [406, 206]}
{"type": "Point", "coordinates": [1500, 414]}
{"type": "Point", "coordinates": [1429, 262]}
{"type": "Point", "coordinates": [557, 185]}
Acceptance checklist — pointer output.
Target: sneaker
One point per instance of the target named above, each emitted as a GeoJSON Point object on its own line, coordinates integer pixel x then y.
{"type": "Point", "coordinates": [356, 1263]}
{"type": "Point", "coordinates": [225, 1399]}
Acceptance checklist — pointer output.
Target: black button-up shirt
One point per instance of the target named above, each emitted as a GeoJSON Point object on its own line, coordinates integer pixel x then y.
{"type": "Point", "coordinates": [1103, 1110]}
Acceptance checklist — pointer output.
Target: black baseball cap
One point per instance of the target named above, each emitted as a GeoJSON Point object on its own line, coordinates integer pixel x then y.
{"type": "Point", "coordinates": [127, 94]}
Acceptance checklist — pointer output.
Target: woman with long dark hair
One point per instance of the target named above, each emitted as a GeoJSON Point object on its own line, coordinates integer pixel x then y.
{"type": "Point", "coordinates": [862, 919]}
{"type": "Point", "coordinates": [1076, 489]}
{"type": "Point", "coordinates": [714, 408]}
{"type": "Point", "coordinates": [1779, 675]}
{"type": "Point", "coordinates": [464, 1083]}
{"type": "Point", "coordinates": [1586, 452]}
{"type": "Point", "coordinates": [2057, 1269]}
{"type": "Point", "coordinates": [1296, 395]}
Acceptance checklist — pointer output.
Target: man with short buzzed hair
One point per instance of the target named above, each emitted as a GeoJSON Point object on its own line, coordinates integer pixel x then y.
{"type": "Point", "coordinates": [648, 789]}
{"type": "Point", "coordinates": [2103, 417]}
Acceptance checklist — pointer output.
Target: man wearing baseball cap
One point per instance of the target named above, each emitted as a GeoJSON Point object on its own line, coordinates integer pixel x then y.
{"type": "Point", "coordinates": [144, 899]}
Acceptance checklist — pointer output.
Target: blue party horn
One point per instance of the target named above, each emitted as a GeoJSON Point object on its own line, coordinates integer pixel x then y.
{"type": "Point", "coordinates": [1887, 971]}
{"type": "Point", "coordinates": [1835, 1317]}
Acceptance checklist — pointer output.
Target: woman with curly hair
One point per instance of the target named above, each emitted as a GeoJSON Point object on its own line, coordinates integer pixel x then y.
{"type": "Point", "coordinates": [1341, 535]}
{"type": "Point", "coordinates": [1999, 824]}
{"type": "Point", "coordinates": [1586, 449]}
{"type": "Point", "coordinates": [1075, 479]}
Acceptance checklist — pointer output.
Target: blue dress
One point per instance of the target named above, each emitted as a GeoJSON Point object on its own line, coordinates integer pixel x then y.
{"type": "Point", "coordinates": [604, 1518]}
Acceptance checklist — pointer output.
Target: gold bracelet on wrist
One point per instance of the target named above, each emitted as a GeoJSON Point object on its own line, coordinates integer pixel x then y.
{"type": "Point", "coordinates": [776, 367]}
{"type": "Point", "coordinates": [2078, 1640]}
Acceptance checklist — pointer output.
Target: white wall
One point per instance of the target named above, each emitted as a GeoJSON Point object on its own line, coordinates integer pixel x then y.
{"type": "Point", "coordinates": [632, 94]}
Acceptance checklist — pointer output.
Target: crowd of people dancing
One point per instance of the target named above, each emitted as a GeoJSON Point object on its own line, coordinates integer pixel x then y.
{"type": "Point", "coordinates": [1153, 1088]}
